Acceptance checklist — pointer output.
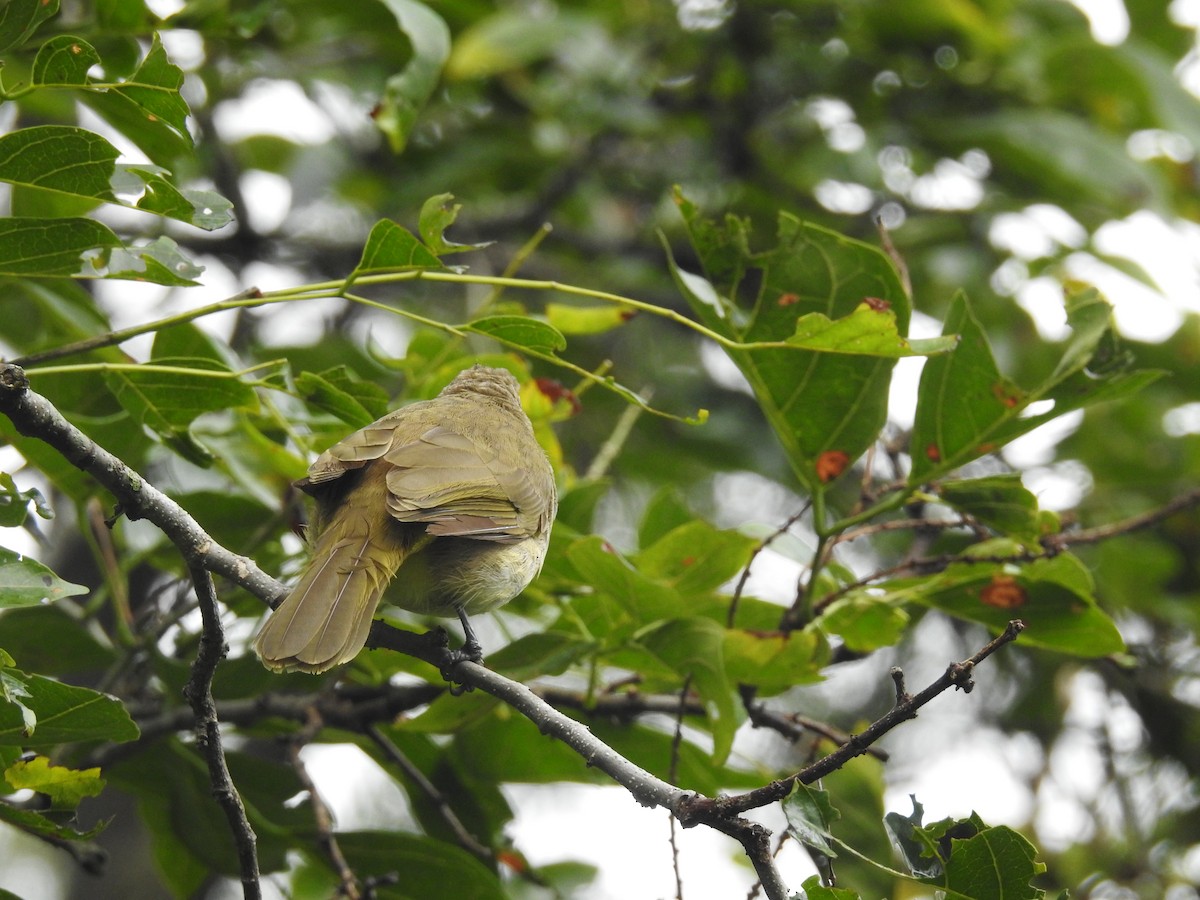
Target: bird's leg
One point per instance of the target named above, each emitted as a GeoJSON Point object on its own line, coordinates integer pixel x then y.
{"type": "Point", "coordinates": [471, 651]}
{"type": "Point", "coordinates": [471, 648]}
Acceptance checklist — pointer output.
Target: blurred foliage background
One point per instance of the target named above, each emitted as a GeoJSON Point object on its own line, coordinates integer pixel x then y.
{"type": "Point", "coordinates": [1008, 147]}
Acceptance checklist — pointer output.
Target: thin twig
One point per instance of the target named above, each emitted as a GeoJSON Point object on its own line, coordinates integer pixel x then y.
{"type": "Point", "coordinates": [958, 675]}
{"type": "Point", "coordinates": [794, 726]}
{"type": "Point", "coordinates": [118, 337]}
{"type": "Point", "coordinates": [198, 692]}
{"type": "Point", "coordinates": [465, 839]}
{"type": "Point", "coordinates": [1048, 546]}
{"type": "Point", "coordinates": [322, 818]}
{"type": "Point", "coordinates": [731, 615]}
{"type": "Point", "coordinates": [672, 776]}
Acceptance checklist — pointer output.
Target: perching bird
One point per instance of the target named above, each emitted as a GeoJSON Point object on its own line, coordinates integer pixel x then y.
{"type": "Point", "coordinates": [453, 496]}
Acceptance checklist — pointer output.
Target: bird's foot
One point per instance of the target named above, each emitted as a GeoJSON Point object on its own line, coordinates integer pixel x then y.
{"type": "Point", "coordinates": [471, 651]}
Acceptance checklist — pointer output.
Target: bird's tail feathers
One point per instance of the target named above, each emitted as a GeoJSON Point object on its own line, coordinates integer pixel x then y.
{"type": "Point", "coordinates": [324, 621]}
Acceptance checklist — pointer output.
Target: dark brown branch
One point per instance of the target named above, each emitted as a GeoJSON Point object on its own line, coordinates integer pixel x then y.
{"type": "Point", "coordinates": [794, 726]}
{"type": "Point", "coordinates": [958, 675]}
{"type": "Point", "coordinates": [198, 692]}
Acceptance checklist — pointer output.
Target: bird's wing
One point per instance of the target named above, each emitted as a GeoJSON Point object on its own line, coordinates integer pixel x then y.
{"type": "Point", "coordinates": [350, 453]}
{"type": "Point", "coordinates": [460, 487]}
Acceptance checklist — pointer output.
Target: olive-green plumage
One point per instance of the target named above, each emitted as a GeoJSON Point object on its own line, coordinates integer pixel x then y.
{"type": "Point", "coordinates": [453, 496]}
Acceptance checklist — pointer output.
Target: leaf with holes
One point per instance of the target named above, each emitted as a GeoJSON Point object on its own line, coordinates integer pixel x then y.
{"type": "Point", "coordinates": [825, 407]}
{"type": "Point", "coordinates": [407, 92]}
{"type": "Point", "coordinates": [26, 582]}
{"type": "Point", "coordinates": [966, 408]}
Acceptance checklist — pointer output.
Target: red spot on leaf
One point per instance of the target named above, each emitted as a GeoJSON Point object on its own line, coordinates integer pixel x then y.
{"type": "Point", "coordinates": [876, 304]}
{"type": "Point", "coordinates": [555, 391]}
{"type": "Point", "coordinates": [514, 861]}
{"type": "Point", "coordinates": [986, 447]}
{"type": "Point", "coordinates": [1007, 394]}
{"type": "Point", "coordinates": [627, 314]}
{"type": "Point", "coordinates": [787, 299]}
{"type": "Point", "coordinates": [688, 561]}
{"type": "Point", "coordinates": [933, 454]}
{"type": "Point", "coordinates": [1003, 593]}
{"type": "Point", "coordinates": [831, 464]}
{"type": "Point", "coordinates": [76, 49]}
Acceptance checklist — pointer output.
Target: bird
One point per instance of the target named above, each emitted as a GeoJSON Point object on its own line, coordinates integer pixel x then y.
{"type": "Point", "coordinates": [452, 497]}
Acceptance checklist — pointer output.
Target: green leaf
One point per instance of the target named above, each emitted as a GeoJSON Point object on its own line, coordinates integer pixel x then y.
{"type": "Point", "coordinates": [161, 142]}
{"type": "Point", "coordinates": [775, 661]}
{"type": "Point", "coordinates": [540, 653]}
{"type": "Point", "coordinates": [1052, 595]}
{"type": "Point", "coordinates": [693, 648]}
{"type": "Point", "coordinates": [60, 158]}
{"type": "Point", "coordinates": [26, 582]}
{"type": "Point", "coordinates": [391, 247]}
{"type": "Point", "coordinates": [814, 890]}
{"type": "Point", "coordinates": [437, 214]}
{"type": "Point", "coordinates": [914, 842]}
{"type": "Point", "coordinates": [431, 868]}
{"type": "Point", "coordinates": [14, 503]}
{"type": "Point", "coordinates": [695, 557]}
{"type": "Point", "coordinates": [1000, 501]}
{"type": "Point", "coordinates": [340, 392]}
{"type": "Point", "coordinates": [605, 569]}
{"type": "Point", "coordinates": [826, 408]}
{"type": "Point", "coordinates": [868, 331]}
{"type": "Point", "coordinates": [79, 163]}
{"type": "Point", "coordinates": [520, 331]}
{"type": "Point", "coordinates": [510, 39]}
{"type": "Point", "coordinates": [571, 319]}
{"type": "Point", "coordinates": [65, 714]}
{"type": "Point", "coordinates": [204, 209]}
{"type": "Point", "coordinates": [83, 248]}
{"type": "Point", "coordinates": [407, 92]}
{"type": "Point", "coordinates": [14, 691]}
{"type": "Point", "coordinates": [966, 408]}
{"type": "Point", "coordinates": [58, 247]}
{"type": "Point", "coordinates": [190, 833]}
{"type": "Point", "coordinates": [159, 262]}
{"type": "Point", "coordinates": [168, 394]}
{"type": "Point", "coordinates": [19, 19]}
{"type": "Point", "coordinates": [1061, 153]}
{"type": "Point", "coordinates": [864, 623]}
{"type": "Point", "coordinates": [64, 60]}
{"type": "Point", "coordinates": [154, 90]}
{"type": "Point", "coordinates": [997, 862]}
{"type": "Point", "coordinates": [43, 826]}
{"type": "Point", "coordinates": [65, 787]}
{"type": "Point", "coordinates": [810, 815]}
{"type": "Point", "coordinates": [54, 640]}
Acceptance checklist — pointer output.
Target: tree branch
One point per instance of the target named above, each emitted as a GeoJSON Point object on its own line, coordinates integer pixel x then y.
{"type": "Point", "coordinates": [36, 417]}
{"type": "Point", "coordinates": [198, 692]}
{"type": "Point", "coordinates": [957, 674]}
